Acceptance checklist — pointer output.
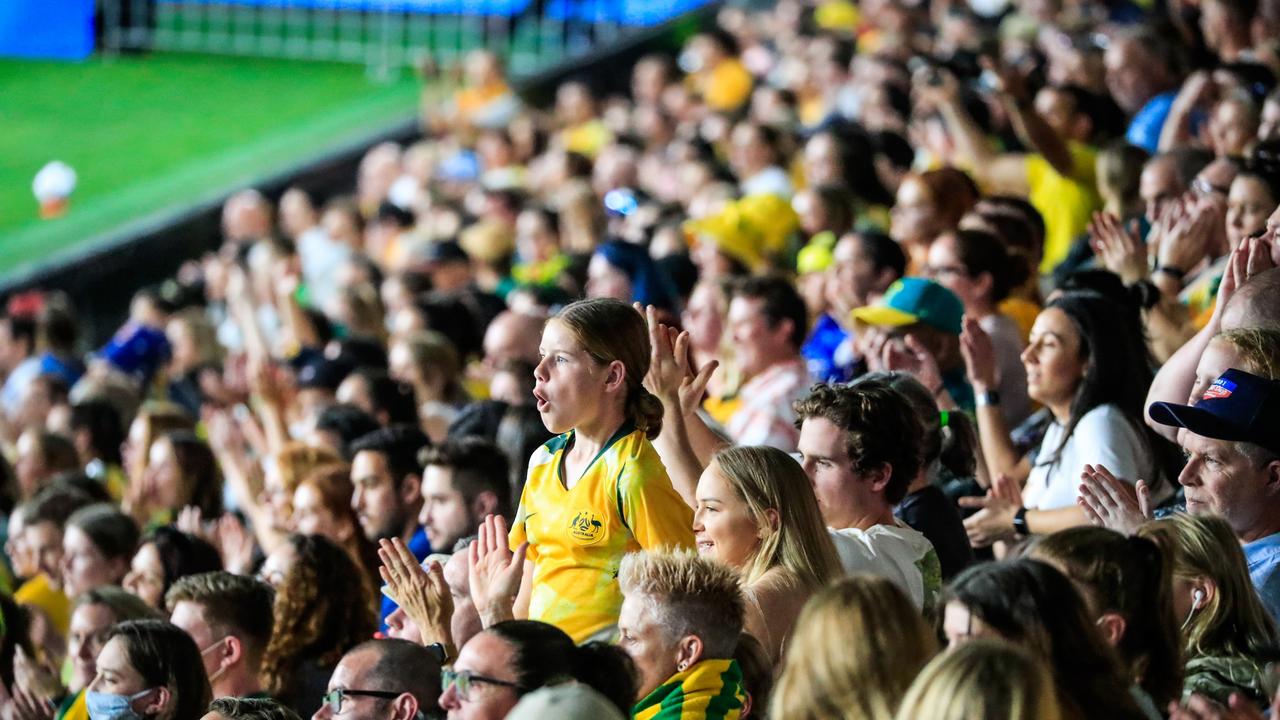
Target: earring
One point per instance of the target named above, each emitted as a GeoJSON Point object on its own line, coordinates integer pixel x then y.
{"type": "Point", "coordinates": [684, 666]}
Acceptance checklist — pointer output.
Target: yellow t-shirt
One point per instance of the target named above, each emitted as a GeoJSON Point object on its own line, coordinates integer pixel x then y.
{"type": "Point", "coordinates": [1067, 203]}
{"type": "Point", "coordinates": [1022, 312]}
{"type": "Point", "coordinates": [587, 138]}
{"type": "Point", "coordinates": [39, 593]}
{"type": "Point", "coordinates": [76, 709]}
{"type": "Point", "coordinates": [624, 502]}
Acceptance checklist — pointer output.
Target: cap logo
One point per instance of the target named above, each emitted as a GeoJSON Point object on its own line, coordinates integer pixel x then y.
{"type": "Point", "coordinates": [1221, 388]}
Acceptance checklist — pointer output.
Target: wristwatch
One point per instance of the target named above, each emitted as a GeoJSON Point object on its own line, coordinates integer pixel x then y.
{"type": "Point", "coordinates": [1020, 523]}
{"type": "Point", "coordinates": [989, 397]}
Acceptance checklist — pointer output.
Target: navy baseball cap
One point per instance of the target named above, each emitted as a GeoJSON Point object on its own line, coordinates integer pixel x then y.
{"type": "Point", "coordinates": [1238, 406]}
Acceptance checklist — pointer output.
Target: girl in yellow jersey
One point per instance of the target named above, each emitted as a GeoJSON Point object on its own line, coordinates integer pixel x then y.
{"type": "Point", "coordinates": [597, 491]}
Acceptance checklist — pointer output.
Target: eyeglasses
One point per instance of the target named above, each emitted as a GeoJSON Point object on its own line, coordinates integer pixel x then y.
{"type": "Point", "coordinates": [933, 271]}
{"type": "Point", "coordinates": [334, 697]}
{"type": "Point", "coordinates": [1204, 187]}
{"type": "Point", "coordinates": [465, 679]}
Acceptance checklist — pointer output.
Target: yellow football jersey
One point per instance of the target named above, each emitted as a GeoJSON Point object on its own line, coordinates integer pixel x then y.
{"type": "Point", "coordinates": [577, 537]}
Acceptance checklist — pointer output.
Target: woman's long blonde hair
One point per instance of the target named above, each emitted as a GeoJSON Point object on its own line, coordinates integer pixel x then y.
{"type": "Point", "coordinates": [769, 479]}
{"type": "Point", "coordinates": [854, 652]}
{"type": "Point", "coordinates": [983, 679]}
{"type": "Point", "coordinates": [1233, 621]}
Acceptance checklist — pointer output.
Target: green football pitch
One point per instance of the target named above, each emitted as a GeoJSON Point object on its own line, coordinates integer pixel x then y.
{"type": "Point", "coordinates": [150, 134]}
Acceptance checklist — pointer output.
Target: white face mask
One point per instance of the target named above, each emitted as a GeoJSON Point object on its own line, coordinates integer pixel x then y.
{"type": "Point", "coordinates": [221, 670]}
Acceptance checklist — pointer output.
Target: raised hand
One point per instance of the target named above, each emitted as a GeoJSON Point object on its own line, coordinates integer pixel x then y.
{"type": "Point", "coordinates": [979, 355]}
{"type": "Point", "coordinates": [1119, 248]}
{"type": "Point", "coordinates": [672, 375]}
{"type": "Point", "coordinates": [911, 356]}
{"type": "Point", "coordinates": [1113, 503]}
{"type": "Point", "coordinates": [693, 385]}
{"type": "Point", "coordinates": [495, 572]}
{"type": "Point", "coordinates": [27, 705]}
{"type": "Point", "coordinates": [191, 521]}
{"type": "Point", "coordinates": [235, 544]}
{"type": "Point", "coordinates": [665, 371]}
{"type": "Point", "coordinates": [421, 592]}
{"type": "Point", "coordinates": [1186, 233]}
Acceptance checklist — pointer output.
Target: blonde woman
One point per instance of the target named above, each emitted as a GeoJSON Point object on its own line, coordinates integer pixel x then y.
{"type": "Point", "coordinates": [827, 676]}
{"type": "Point", "coordinates": [429, 362]}
{"type": "Point", "coordinates": [756, 512]}
{"type": "Point", "coordinates": [1226, 630]}
{"type": "Point", "coordinates": [988, 679]}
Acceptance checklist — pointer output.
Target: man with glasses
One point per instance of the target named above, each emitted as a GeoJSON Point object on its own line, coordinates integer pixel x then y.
{"type": "Point", "coordinates": [384, 680]}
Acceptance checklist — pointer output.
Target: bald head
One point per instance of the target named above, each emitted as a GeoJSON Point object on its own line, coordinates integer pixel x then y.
{"type": "Point", "coordinates": [513, 336]}
{"type": "Point", "coordinates": [1159, 183]}
{"type": "Point", "coordinates": [246, 216]}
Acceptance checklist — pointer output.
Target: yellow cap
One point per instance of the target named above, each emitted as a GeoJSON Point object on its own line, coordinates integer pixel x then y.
{"type": "Point", "coordinates": [837, 15]}
{"type": "Point", "coordinates": [816, 256]}
{"type": "Point", "coordinates": [748, 230]}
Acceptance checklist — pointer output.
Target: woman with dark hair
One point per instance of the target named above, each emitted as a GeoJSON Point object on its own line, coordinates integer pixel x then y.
{"type": "Point", "coordinates": [1125, 583]}
{"type": "Point", "coordinates": [98, 433]}
{"type": "Point", "coordinates": [513, 658]}
{"type": "Point", "coordinates": [843, 153]}
{"type": "Point", "coordinates": [148, 669]}
{"type": "Point", "coordinates": [1032, 605]}
{"type": "Point", "coordinates": [1088, 364]}
{"type": "Point", "coordinates": [96, 548]}
{"type": "Point", "coordinates": [316, 619]}
{"type": "Point", "coordinates": [15, 634]}
{"type": "Point", "coordinates": [165, 555]}
{"type": "Point", "coordinates": [981, 271]}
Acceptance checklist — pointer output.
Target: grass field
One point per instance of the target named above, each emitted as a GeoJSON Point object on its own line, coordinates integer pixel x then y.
{"type": "Point", "coordinates": [149, 134]}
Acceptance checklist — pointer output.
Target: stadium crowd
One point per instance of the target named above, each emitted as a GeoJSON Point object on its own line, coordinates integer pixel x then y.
{"type": "Point", "coordinates": [912, 360]}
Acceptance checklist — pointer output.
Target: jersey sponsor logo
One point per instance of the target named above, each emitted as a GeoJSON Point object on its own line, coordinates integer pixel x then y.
{"type": "Point", "coordinates": [586, 527]}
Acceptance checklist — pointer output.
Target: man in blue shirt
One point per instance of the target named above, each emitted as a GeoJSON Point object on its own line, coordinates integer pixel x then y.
{"type": "Point", "coordinates": [388, 491]}
{"type": "Point", "coordinates": [1232, 440]}
{"type": "Point", "coordinates": [1143, 79]}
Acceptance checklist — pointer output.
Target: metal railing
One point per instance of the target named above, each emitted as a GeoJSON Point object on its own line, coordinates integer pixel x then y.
{"type": "Point", "coordinates": [384, 35]}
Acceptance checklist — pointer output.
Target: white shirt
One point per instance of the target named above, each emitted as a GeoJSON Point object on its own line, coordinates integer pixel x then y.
{"type": "Point", "coordinates": [766, 416]}
{"type": "Point", "coordinates": [1102, 437]}
{"type": "Point", "coordinates": [896, 552]}
{"type": "Point", "coordinates": [772, 180]}
{"type": "Point", "coordinates": [321, 259]}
